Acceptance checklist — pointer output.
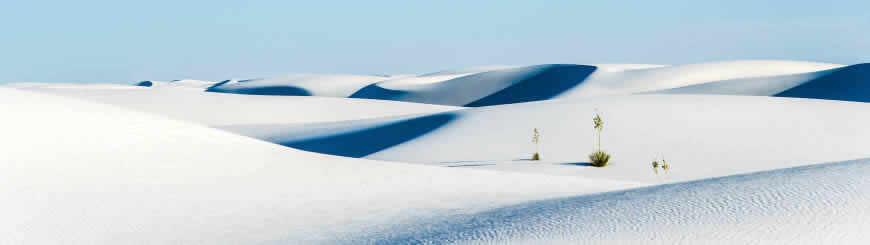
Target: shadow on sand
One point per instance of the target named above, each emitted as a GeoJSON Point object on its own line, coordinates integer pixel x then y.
{"type": "Point", "coordinates": [498, 87]}
{"type": "Point", "coordinates": [373, 91]}
{"type": "Point", "coordinates": [145, 84]}
{"type": "Point", "coordinates": [546, 84]}
{"type": "Point", "coordinates": [470, 165]}
{"type": "Point", "coordinates": [274, 90]}
{"type": "Point", "coordinates": [585, 164]}
{"type": "Point", "coordinates": [367, 141]}
{"type": "Point", "coordinates": [851, 83]}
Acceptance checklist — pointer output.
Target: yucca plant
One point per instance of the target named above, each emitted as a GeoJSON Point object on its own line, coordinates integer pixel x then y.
{"type": "Point", "coordinates": [599, 158]}
{"type": "Point", "coordinates": [599, 125]}
{"type": "Point", "coordinates": [536, 137]}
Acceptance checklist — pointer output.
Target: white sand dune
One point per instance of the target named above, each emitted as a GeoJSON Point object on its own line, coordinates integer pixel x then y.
{"type": "Point", "coordinates": [755, 86]}
{"type": "Point", "coordinates": [850, 83]}
{"type": "Point", "coordinates": [702, 135]}
{"type": "Point", "coordinates": [626, 82]}
{"type": "Point", "coordinates": [818, 204]}
{"type": "Point", "coordinates": [467, 70]}
{"type": "Point", "coordinates": [513, 85]}
{"type": "Point", "coordinates": [332, 85]}
{"type": "Point", "coordinates": [170, 163]}
{"type": "Point", "coordinates": [216, 109]}
{"type": "Point", "coordinates": [542, 82]}
{"type": "Point", "coordinates": [617, 67]}
{"type": "Point", "coordinates": [336, 85]}
{"type": "Point", "coordinates": [75, 172]}
{"type": "Point", "coordinates": [102, 86]}
{"type": "Point", "coordinates": [186, 83]}
{"type": "Point", "coordinates": [494, 85]}
{"type": "Point", "coordinates": [436, 77]}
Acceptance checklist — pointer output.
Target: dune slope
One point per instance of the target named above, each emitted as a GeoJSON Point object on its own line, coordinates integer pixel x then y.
{"type": "Point", "coordinates": [515, 85]}
{"type": "Point", "coordinates": [806, 205]}
{"type": "Point", "coordinates": [186, 83]}
{"type": "Point", "coordinates": [542, 82]}
{"type": "Point", "coordinates": [851, 83]}
{"type": "Point", "coordinates": [75, 172]}
{"type": "Point", "coordinates": [332, 85]}
{"type": "Point", "coordinates": [625, 82]}
{"type": "Point", "coordinates": [217, 109]}
{"type": "Point", "coordinates": [754, 86]}
{"type": "Point", "coordinates": [366, 141]}
{"type": "Point", "coordinates": [702, 135]}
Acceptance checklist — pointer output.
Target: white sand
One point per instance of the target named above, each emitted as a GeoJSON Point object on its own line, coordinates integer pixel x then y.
{"type": "Point", "coordinates": [167, 164]}
{"type": "Point", "coordinates": [703, 136]}
{"type": "Point", "coordinates": [216, 109]}
{"type": "Point", "coordinates": [81, 173]}
{"type": "Point", "coordinates": [333, 85]}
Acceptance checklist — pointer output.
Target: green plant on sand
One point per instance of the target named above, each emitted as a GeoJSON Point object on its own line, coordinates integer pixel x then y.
{"type": "Point", "coordinates": [536, 137]}
{"type": "Point", "coordinates": [665, 167]}
{"type": "Point", "coordinates": [599, 158]}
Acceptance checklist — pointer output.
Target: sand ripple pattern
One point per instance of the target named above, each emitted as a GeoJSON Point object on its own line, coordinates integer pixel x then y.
{"type": "Point", "coordinates": [815, 204]}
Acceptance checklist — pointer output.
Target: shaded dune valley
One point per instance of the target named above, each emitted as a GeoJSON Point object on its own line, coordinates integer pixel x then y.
{"type": "Point", "coordinates": [497, 87]}
{"type": "Point", "coordinates": [851, 83]}
{"type": "Point", "coordinates": [724, 152]}
{"type": "Point", "coordinates": [360, 143]}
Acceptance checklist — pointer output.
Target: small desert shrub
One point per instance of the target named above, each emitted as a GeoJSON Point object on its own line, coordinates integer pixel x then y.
{"type": "Point", "coordinates": [664, 165]}
{"type": "Point", "coordinates": [536, 137]}
{"type": "Point", "coordinates": [599, 158]}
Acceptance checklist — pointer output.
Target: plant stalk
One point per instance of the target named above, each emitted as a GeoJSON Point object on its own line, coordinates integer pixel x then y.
{"type": "Point", "coordinates": [599, 140]}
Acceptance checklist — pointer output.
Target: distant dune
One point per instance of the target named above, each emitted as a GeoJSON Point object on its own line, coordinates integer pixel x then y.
{"type": "Point", "coordinates": [178, 83]}
{"type": "Point", "coordinates": [496, 85]}
{"type": "Point", "coordinates": [222, 109]}
{"type": "Point", "coordinates": [626, 82]}
{"type": "Point", "coordinates": [299, 85]}
{"type": "Point", "coordinates": [851, 83]}
{"type": "Point", "coordinates": [514, 85]}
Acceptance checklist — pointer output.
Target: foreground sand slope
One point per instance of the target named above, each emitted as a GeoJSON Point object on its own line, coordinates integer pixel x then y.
{"type": "Point", "coordinates": [75, 172]}
{"type": "Point", "coordinates": [819, 204]}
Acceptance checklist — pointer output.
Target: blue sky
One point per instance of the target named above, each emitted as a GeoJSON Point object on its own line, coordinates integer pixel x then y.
{"type": "Point", "coordinates": [124, 42]}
